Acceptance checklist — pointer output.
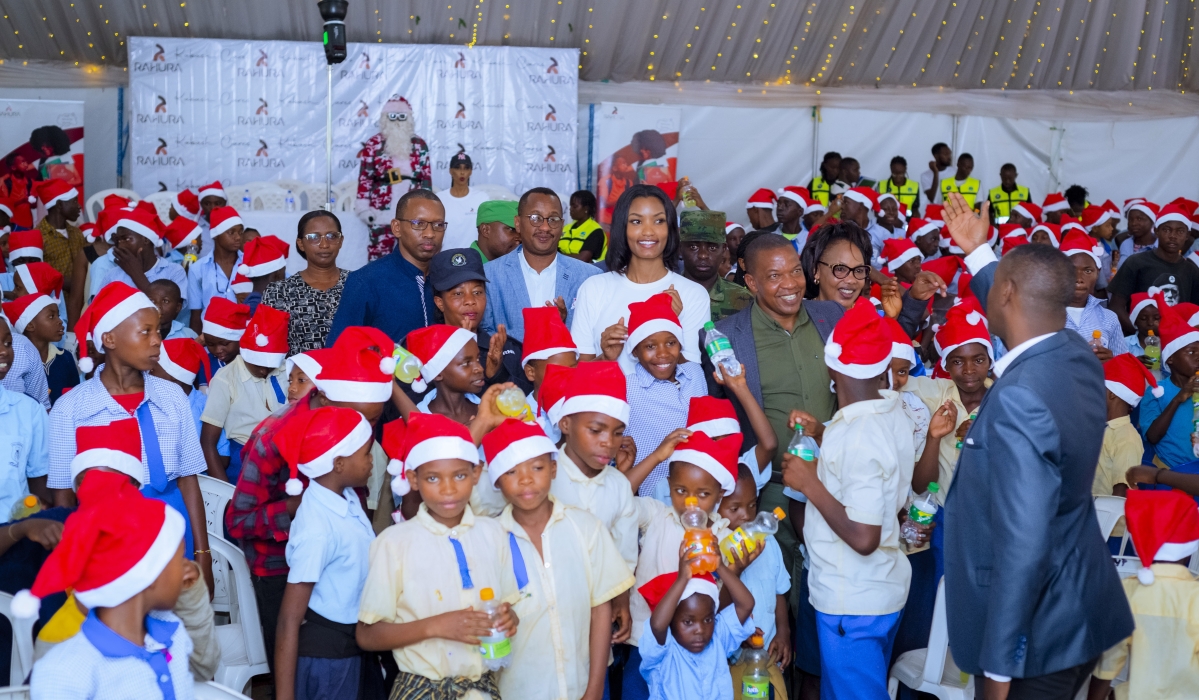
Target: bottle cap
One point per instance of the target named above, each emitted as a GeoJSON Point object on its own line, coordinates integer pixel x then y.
{"type": "Point", "coordinates": [709, 326]}
{"type": "Point", "coordinates": [1096, 334]}
{"type": "Point", "coordinates": [757, 641]}
{"type": "Point", "coordinates": [778, 513]}
{"type": "Point", "coordinates": [486, 594]}
{"type": "Point", "coordinates": [30, 501]}
{"type": "Point", "coordinates": [1150, 333]}
{"type": "Point", "coordinates": [933, 487]}
{"type": "Point", "coordinates": [691, 502]}
{"type": "Point", "coordinates": [799, 428]}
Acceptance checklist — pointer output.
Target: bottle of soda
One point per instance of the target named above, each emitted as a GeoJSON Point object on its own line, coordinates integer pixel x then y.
{"type": "Point", "coordinates": [26, 507]}
{"type": "Point", "coordinates": [1153, 350]}
{"type": "Point", "coordinates": [751, 535]}
{"type": "Point", "coordinates": [698, 538]}
{"type": "Point", "coordinates": [720, 350]}
{"type": "Point", "coordinates": [1096, 339]}
{"type": "Point", "coordinates": [407, 365]}
{"type": "Point", "coordinates": [803, 446]}
{"type": "Point", "coordinates": [755, 681]}
{"type": "Point", "coordinates": [496, 648]}
{"type": "Point", "coordinates": [511, 402]}
{"type": "Point", "coordinates": [921, 512]}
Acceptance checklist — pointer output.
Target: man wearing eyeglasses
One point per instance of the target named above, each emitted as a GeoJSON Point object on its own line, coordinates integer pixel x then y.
{"type": "Point", "coordinates": [391, 293]}
{"type": "Point", "coordinates": [535, 274]}
{"type": "Point", "coordinates": [394, 161]}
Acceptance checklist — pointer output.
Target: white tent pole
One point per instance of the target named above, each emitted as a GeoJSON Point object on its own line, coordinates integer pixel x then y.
{"type": "Point", "coordinates": [329, 142]}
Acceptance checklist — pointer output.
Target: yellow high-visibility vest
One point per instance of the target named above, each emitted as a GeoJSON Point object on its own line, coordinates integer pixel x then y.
{"type": "Point", "coordinates": [574, 235]}
{"type": "Point", "coordinates": [907, 193]}
{"type": "Point", "coordinates": [820, 189]}
{"type": "Point", "coordinates": [968, 189]}
{"type": "Point", "coordinates": [1002, 202]}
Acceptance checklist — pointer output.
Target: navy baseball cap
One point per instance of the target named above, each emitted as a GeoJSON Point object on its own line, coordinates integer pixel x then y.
{"type": "Point", "coordinates": [461, 160]}
{"type": "Point", "coordinates": [450, 268]}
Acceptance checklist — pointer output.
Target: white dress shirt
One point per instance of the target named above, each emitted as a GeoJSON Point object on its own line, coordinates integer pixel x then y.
{"type": "Point", "coordinates": [540, 285]}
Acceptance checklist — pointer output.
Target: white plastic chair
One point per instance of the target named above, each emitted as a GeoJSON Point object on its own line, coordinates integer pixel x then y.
{"type": "Point", "coordinates": [15, 693]}
{"type": "Point", "coordinates": [345, 194]}
{"type": "Point", "coordinates": [243, 653]}
{"type": "Point", "coordinates": [22, 643]}
{"type": "Point", "coordinates": [268, 196]}
{"type": "Point", "coordinates": [215, 691]}
{"type": "Point", "coordinates": [1109, 509]}
{"type": "Point", "coordinates": [162, 202]}
{"type": "Point", "coordinates": [217, 495]}
{"type": "Point", "coordinates": [95, 202]}
{"type": "Point", "coordinates": [932, 670]}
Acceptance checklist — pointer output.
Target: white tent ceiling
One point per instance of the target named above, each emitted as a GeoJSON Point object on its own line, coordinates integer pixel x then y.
{"type": "Point", "coordinates": [1084, 45]}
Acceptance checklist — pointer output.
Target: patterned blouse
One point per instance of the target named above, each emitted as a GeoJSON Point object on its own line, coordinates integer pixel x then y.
{"type": "Point", "coordinates": [311, 310]}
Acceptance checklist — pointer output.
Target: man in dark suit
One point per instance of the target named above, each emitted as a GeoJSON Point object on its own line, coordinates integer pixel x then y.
{"type": "Point", "coordinates": [1032, 596]}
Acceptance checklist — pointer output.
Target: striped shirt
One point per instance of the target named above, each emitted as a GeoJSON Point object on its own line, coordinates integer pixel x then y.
{"type": "Point", "coordinates": [27, 375]}
{"type": "Point", "coordinates": [90, 404]}
{"type": "Point", "coordinates": [657, 407]}
{"type": "Point", "coordinates": [1094, 317]}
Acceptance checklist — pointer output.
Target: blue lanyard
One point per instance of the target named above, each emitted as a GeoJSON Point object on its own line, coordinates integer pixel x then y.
{"type": "Point", "coordinates": [154, 463]}
{"type": "Point", "coordinates": [463, 569]}
{"type": "Point", "coordinates": [518, 563]}
{"type": "Point", "coordinates": [282, 397]}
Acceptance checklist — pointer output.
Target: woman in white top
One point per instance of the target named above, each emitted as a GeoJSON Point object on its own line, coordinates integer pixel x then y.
{"type": "Point", "coordinates": [642, 253]}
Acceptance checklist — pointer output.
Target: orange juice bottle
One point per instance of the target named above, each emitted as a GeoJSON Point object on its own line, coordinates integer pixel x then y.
{"type": "Point", "coordinates": [698, 539]}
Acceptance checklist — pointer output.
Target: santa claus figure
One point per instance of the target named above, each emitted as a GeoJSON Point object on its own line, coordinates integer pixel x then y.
{"type": "Point", "coordinates": [394, 161]}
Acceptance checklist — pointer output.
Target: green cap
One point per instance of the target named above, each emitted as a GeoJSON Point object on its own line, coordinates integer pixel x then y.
{"type": "Point", "coordinates": [702, 226]}
{"type": "Point", "coordinates": [499, 210]}
{"type": "Point", "coordinates": [933, 487]}
{"type": "Point", "coordinates": [708, 325]}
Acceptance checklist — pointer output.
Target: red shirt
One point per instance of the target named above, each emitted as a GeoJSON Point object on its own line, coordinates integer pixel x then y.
{"type": "Point", "coordinates": [130, 402]}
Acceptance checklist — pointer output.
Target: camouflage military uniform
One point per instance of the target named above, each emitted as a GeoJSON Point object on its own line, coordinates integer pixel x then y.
{"type": "Point", "coordinates": [708, 227]}
{"type": "Point", "coordinates": [728, 298]}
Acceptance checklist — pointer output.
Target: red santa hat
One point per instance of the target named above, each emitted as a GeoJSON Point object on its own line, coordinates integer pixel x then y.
{"type": "Point", "coordinates": [181, 232]}
{"type": "Point", "coordinates": [40, 277]}
{"type": "Point", "coordinates": [813, 205]}
{"type": "Point", "coordinates": [1094, 216]}
{"type": "Point", "coordinates": [308, 362]}
{"type": "Point", "coordinates": [901, 343]}
{"type": "Point", "coordinates": [114, 303]}
{"type": "Point", "coordinates": [424, 438]}
{"type": "Point", "coordinates": [1174, 330]}
{"type": "Point", "coordinates": [182, 358]}
{"type": "Point", "coordinates": [730, 226]}
{"type": "Point", "coordinates": [1011, 242]}
{"type": "Point", "coordinates": [264, 342]}
{"type": "Point", "coordinates": [311, 440]}
{"type": "Point", "coordinates": [1139, 301]}
{"type": "Point", "coordinates": [18, 211]}
{"type": "Point", "coordinates": [799, 195]}
{"type": "Point", "coordinates": [946, 267]}
{"type": "Point", "coordinates": [358, 368]}
{"type": "Point", "coordinates": [1144, 206]}
{"type": "Point", "coordinates": [1054, 231]}
{"type": "Point", "coordinates": [1029, 210]}
{"type": "Point", "coordinates": [187, 205]}
{"type": "Point", "coordinates": [654, 590]}
{"type": "Point", "coordinates": [116, 446]}
{"type": "Point", "coordinates": [1188, 312]}
{"type": "Point", "coordinates": [651, 316]}
{"type": "Point", "coordinates": [918, 227]}
{"type": "Point", "coordinates": [396, 103]}
{"type": "Point", "coordinates": [897, 251]}
{"type": "Point", "coordinates": [89, 232]}
{"type": "Point", "coordinates": [932, 212]}
{"type": "Point", "coordinates": [545, 334]}
{"type": "Point", "coordinates": [113, 547]}
{"type": "Point", "coordinates": [1128, 204]}
{"type": "Point", "coordinates": [1012, 231]}
{"type": "Point", "coordinates": [965, 323]}
{"type": "Point", "coordinates": [240, 284]}
{"type": "Point", "coordinates": [436, 347]}
{"type": "Point", "coordinates": [1079, 243]}
{"type": "Point", "coordinates": [213, 189]}
{"type": "Point", "coordinates": [139, 221]}
{"type": "Point", "coordinates": [222, 219]}
{"type": "Point", "coordinates": [22, 311]}
{"type": "Point", "coordinates": [859, 345]}
{"type": "Point", "coordinates": [947, 242]}
{"type": "Point", "coordinates": [712, 416]}
{"type": "Point", "coordinates": [1054, 201]}
{"type": "Point", "coordinates": [1173, 212]}
{"type": "Point", "coordinates": [106, 222]}
{"type": "Point", "coordinates": [25, 244]}
{"type": "Point", "coordinates": [597, 387]}
{"type": "Point", "coordinates": [762, 198]}
{"type": "Point", "coordinates": [264, 255]}
{"type": "Point", "coordinates": [1069, 223]}
{"type": "Point", "coordinates": [225, 319]}
{"type": "Point", "coordinates": [52, 191]}
{"type": "Point", "coordinates": [552, 394]}
{"type": "Point", "coordinates": [1163, 525]}
{"type": "Point", "coordinates": [1125, 376]}
{"type": "Point", "coordinates": [511, 443]}
{"type": "Point", "coordinates": [865, 196]}
{"type": "Point", "coordinates": [904, 212]}
{"type": "Point", "coordinates": [717, 457]}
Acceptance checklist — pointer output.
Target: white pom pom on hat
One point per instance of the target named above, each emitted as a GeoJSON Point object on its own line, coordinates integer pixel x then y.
{"type": "Point", "coordinates": [86, 365]}
{"type": "Point", "coordinates": [387, 365]}
{"type": "Point", "coordinates": [1145, 576]}
{"type": "Point", "coordinates": [294, 487]}
{"type": "Point", "coordinates": [25, 605]}
{"type": "Point", "coordinates": [261, 340]}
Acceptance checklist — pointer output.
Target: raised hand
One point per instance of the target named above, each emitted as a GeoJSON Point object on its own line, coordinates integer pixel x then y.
{"type": "Point", "coordinates": [968, 228]}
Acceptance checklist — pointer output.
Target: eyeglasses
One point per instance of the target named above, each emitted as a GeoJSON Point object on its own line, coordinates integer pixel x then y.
{"type": "Point", "coordinates": [397, 116]}
{"type": "Point", "coordinates": [315, 238]}
{"type": "Point", "coordinates": [421, 224]}
{"type": "Point", "coordinates": [842, 271]}
{"type": "Point", "coordinates": [538, 219]}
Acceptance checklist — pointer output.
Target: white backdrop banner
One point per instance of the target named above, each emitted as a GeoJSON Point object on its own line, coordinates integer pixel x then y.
{"type": "Point", "coordinates": [56, 151]}
{"type": "Point", "coordinates": [247, 111]}
{"type": "Point", "coordinates": [634, 144]}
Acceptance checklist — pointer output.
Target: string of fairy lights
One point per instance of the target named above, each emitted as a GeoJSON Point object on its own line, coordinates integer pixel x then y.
{"type": "Point", "coordinates": [742, 41]}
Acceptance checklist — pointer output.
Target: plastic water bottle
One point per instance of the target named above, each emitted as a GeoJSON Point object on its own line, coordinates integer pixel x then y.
{"type": "Point", "coordinates": [973, 415]}
{"type": "Point", "coordinates": [290, 201]}
{"type": "Point", "coordinates": [246, 202]}
{"type": "Point", "coordinates": [921, 512]}
{"type": "Point", "coordinates": [407, 365]}
{"type": "Point", "coordinates": [1096, 339]}
{"type": "Point", "coordinates": [496, 648]}
{"type": "Point", "coordinates": [1153, 350]}
{"type": "Point", "coordinates": [697, 538]}
{"type": "Point", "coordinates": [755, 681]}
{"type": "Point", "coordinates": [511, 402]}
{"type": "Point", "coordinates": [751, 535]}
{"type": "Point", "coordinates": [803, 446]}
{"type": "Point", "coordinates": [720, 350]}
{"type": "Point", "coordinates": [26, 507]}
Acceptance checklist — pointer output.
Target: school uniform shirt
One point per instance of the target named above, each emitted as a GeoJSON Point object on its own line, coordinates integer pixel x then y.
{"type": "Point", "coordinates": [766, 578]}
{"type": "Point", "coordinates": [1094, 317]}
{"type": "Point", "coordinates": [99, 271]}
{"type": "Point", "coordinates": [415, 574]}
{"type": "Point", "coordinates": [1128, 248]}
{"type": "Point", "coordinates": [657, 407]}
{"type": "Point", "coordinates": [99, 663]}
{"type": "Point", "coordinates": [238, 401]}
{"type": "Point", "coordinates": [329, 546]}
{"type": "Point", "coordinates": [206, 279]}
{"type": "Point", "coordinates": [934, 392]}
{"type": "Point", "coordinates": [579, 568]}
{"type": "Point", "coordinates": [61, 371]}
{"type": "Point", "coordinates": [197, 400]}
{"type": "Point", "coordinates": [1163, 663]}
{"type": "Point", "coordinates": [1175, 446]}
{"type": "Point", "coordinates": [1122, 448]}
{"type": "Point", "coordinates": [24, 454]}
{"type": "Point", "coordinates": [866, 463]}
{"type": "Point", "coordinates": [673, 673]}
{"type": "Point", "coordinates": [26, 374]}
{"type": "Point", "coordinates": [91, 404]}
{"type": "Point", "coordinates": [423, 406]}
{"type": "Point", "coordinates": [608, 496]}
{"type": "Point", "coordinates": [162, 270]}
{"type": "Point", "coordinates": [178, 330]}
{"type": "Point", "coordinates": [661, 535]}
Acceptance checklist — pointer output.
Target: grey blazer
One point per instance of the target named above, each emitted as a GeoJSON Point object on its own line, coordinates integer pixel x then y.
{"type": "Point", "coordinates": [507, 295]}
{"type": "Point", "coordinates": [1030, 587]}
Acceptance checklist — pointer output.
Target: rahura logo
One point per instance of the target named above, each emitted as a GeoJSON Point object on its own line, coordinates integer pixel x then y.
{"type": "Point", "coordinates": [161, 107]}
{"type": "Point", "coordinates": [262, 150]}
{"type": "Point", "coordinates": [157, 63]}
{"type": "Point", "coordinates": [262, 158]}
{"type": "Point", "coordinates": [10, 112]}
{"type": "Point", "coordinates": [364, 111]}
{"type": "Point", "coordinates": [262, 116]}
{"type": "Point", "coordinates": [159, 115]}
{"type": "Point", "coordinates": [159, 55]}
{"type": "Point", "coordinates": [461, 113]}
{"type": "Point", "coordinates": [549, 157]}
{"type": "Point", "coordinates": [263, 60]}
{"type": "Point", "coordinates": [262, 108]}
{"type": "Point", "coordinates": [552, 115]}
{"type": "Point", "coordinates": [161, 157]}
{"type": "Point", "coordinates": [460, 64]}
{"type": "Point", "coordinates": [553, 67]}
{"type": "Point", "coordinates": [162, 148]}
{"type": "Point", "coordinates": [365, 63]}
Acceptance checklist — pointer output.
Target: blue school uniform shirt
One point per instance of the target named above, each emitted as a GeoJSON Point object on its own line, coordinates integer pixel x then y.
{"type": "Point", "coordinates": [766, 578]}
{"type": "Point", "coordinates": [198, 400]}
{"type": "Point", "coordinates": [99, 272]}
{"type": "Point", "coordinates": [1175, 446]}
{"type": "Point", "coordinates": [673, 673]}
{"type": "Point", "coordinates": [206, 280]}
{"type": "Point", "coordinates": [658, 406]}
{"type": "Point", "coordinates": [99, 663]}
{"type": "Point", "coordinates": [24, 451]}
{"type": "Point", "coordinates": [329, 545]}
{"type": "Point", "coordinates": [162, 270]}
{"type": "Point", "coordinates": [61, 372]}
{"type": "Point", "coordinates": [178, 330]}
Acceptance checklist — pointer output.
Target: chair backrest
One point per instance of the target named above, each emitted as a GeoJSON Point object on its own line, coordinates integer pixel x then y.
{"type": "Point", "coordinates": [15, 693]}
{"type": "Point", "coordinates": [1109, 509]}
{"type": "Point", "coordinates": [251, 625]}
{"type": "Point", "coordinates": [217, 494]}
{"type": "Point", "coordinates": [213, 691]}
{"type": "Point", "coordinates": [268, 196]}
{"type": "Point", "coordinates": [345, 193]}
{"type": "Point", "coordinates": [938, 640]}
{"type": "Point", "coordinates": [22, 643]}
{"type": "Point", "coordinates": [162, 202]}
{"type": "Point", "coordinates": [96, 201]}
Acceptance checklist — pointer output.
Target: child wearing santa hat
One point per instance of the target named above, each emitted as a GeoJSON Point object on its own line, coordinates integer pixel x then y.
{"type": "Point", "coordinates": [166, 296]}
{"type": "Point", "coordinates": [450, 363]}
{"type": "Point", "coordinates": [23, 422]}
{"type": "Point", "coordinates": [1125, 378]}
{"type": "Point", "coordinates": [547, 342]}
{"type": "Point", "coordinates": [327, 554]}
{"type": "Point", "coordinates": [1145, 318]}
{"type": "Point", "coordinates": [61, 239]}
{"type": "Point", "coordinates": [1084, 313]}
{"type": "Point", "coordinates": [301, 368]}
{"type": "Point", "coordinates": [24, 247]}
{"type": "Point", "coordinates": [264, 261]}
{"type": "Point", "coordinates": [36, 316]}
{"type": "Point", "coordinates": [245, 391]}
{"type": "Point", "coordinates": [429, 575]}
{"type": "Point", "coordinates": [556, 611]}
{"type": "Point", "coordinates": [211, 276]}
{"type": "Point", "coordinates": [858, 582]}
{"type": "Point", "coordinates": [134, 248]}
{"type": "Point", "coordinates": [1166, 421]}
{"type": "Point", "coordinates": [224, 323]}
{"type": "Point", "coordinates": [1164, 597]}
{"type": "Point", "coordinates": [183, 361]}
{"type": "Point", "coordinates": [685, 643]}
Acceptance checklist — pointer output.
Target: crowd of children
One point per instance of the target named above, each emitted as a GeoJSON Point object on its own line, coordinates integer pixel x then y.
{"type": "Point", "coordinates": [512, 520]}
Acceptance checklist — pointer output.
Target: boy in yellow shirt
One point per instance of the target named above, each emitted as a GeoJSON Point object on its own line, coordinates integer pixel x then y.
{"type": "Point", "coordinates": [1125, 378]}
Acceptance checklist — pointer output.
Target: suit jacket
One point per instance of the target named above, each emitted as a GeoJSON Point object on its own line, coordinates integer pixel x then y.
{"type": "Point", "coordinates": [507, 295]}
{"type": "Point", "coordinates": [1029, 582]}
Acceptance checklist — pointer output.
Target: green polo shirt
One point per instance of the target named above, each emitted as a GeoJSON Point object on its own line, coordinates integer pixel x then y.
{"type": "Point", "coordinates": [475, 245]}
{"type": "Point", "coordinates": [792, 373]}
